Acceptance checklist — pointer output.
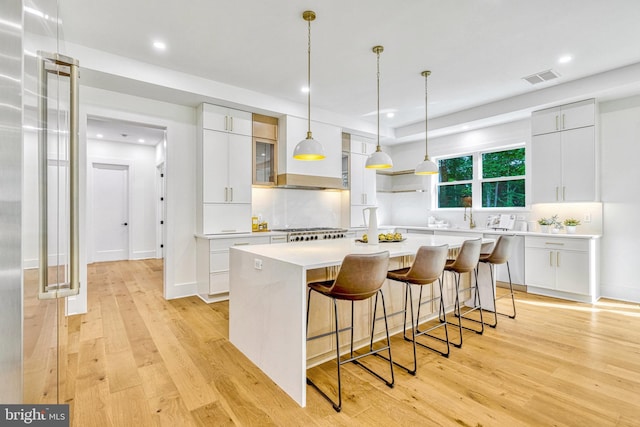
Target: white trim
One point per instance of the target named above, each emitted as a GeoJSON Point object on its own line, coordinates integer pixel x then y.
{"type": "Point", "coordinates": [143, 255]}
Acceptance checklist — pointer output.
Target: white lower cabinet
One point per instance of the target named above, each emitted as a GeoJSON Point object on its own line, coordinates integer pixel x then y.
{"type": "Point", "coordinates": [212, 264]}
{"type": "Point", "coordinates": [562, 267]}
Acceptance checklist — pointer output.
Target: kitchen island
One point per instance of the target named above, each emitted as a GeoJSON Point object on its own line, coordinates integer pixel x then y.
{"type": "Point", "coordinates": [267, 300]}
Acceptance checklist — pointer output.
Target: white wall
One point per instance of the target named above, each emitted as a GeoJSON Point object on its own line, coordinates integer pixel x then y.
{"type": "Point", "coordinates": [180, 247]}
{"type": "Point", "coordinates": [142, 194]}
{"type": "Point", "coordinates": [620, 176]}
{"type": "Point", "coordinates": [415, 208]}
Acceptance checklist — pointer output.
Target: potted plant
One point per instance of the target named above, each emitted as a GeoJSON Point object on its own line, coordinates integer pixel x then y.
{"type": "Point", "coordinates": [550, 224]}
{"type": "Point", "coordinates": [571, 224]}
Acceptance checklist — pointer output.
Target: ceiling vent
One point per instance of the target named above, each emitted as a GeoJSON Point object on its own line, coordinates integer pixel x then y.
{"type": "Point", "coordinates": [542, 76]}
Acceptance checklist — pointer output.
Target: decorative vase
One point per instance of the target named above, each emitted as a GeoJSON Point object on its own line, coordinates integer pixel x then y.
{"type": "Point", "coordinates": [555, 230]}
{"type": "Point", "coordinates": [544, 228]}
{"type": "Point", "coordinates": [571, 229]}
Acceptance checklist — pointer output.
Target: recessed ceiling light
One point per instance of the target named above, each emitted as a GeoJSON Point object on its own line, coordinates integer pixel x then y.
{"type": "Point", "coordinates": [465, 127]}
{"type": "Point", "coordinates": [565, 59]}
{"type": "Point", "coordinates": [389, 115]}
{"type": "Point", "coordinates": [159, 45]}
{"type": "Point", "coordinates": [304, 89]}
{"type": "Point", "coordinates": [99, 135]}
{"type": "Point", "coordinates": [140, 140]}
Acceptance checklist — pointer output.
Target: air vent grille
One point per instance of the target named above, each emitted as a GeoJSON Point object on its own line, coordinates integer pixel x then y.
{"type": "Point", "coordinates": [542, 76]}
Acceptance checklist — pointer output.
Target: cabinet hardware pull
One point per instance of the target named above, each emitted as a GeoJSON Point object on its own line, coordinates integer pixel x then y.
{"type": "Point", "coordinates": [226, 126]}
{"type": "Point", "coordinates": [231, 195]}
{"type": "Point", "coordinates": [226, 194]}
{"type": "Point", "coordinates": [556, 194]}
{"type": "Point", "coordinates": [231, 120]}
{"type": "Point", "coordinates": [551, 258]}
{"type": "Point", "coordinates": [563, 126]}
{"type": "Point", "coordinates": [228, 231]}
{"type": "Point", "coordinates": [241, 244]}
{"type": "Point", "coordinates": [554, 243]}
{"type": "Point", "coordinates": [556, 122]}
{"type": "Point", "coordinates": [563, 193]}
{"type": "Point", "coordinates": [557, 259]}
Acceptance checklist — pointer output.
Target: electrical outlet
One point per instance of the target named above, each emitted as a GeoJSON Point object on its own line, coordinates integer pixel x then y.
{"type": "Point", "coordinates": [257, 263]}
{"type": "Point", "coordinates": [587, 217]}
{"type": "Point", "coordinates": [520, 217]}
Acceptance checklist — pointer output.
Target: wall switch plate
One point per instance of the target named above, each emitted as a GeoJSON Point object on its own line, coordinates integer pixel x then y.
{"type": "Point", "coordinates": [587, 217]}
{"type": "Point", "coordinates": [520, 217]}
{"type": "Point", "coordinates": [257, 263]}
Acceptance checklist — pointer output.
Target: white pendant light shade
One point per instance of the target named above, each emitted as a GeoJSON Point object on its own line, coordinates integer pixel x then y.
{"type": "Point", "coordinates": [427, 166]}
{"type": "Point", "coordinates": [378, 160]}
{"type": "Point", "coordinates": [309, 149]}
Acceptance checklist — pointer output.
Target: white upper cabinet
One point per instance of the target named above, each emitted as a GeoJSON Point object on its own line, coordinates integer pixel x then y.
{"type": "Point", "coordinates": [565, 117]}
{"type": "Point", "coordinates": [564, 161]}
{"type": "Point", "coordinates": [227, 168]}
{"type": "Point", "coordinates": [360, 145]}
{"type": "Point", "coordinates": [225, 119]}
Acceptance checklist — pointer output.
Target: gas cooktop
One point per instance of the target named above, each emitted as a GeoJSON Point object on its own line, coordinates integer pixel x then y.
{"type": "Point", "coordinates": [307, 229]}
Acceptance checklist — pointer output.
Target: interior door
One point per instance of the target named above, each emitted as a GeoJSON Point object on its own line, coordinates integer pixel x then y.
{"type": "Point", "coordinates": [110, 212]}
{"type": "Point", "coordinates": [50, 214]}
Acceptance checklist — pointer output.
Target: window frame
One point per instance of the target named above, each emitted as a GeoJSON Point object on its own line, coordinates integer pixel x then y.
{"type": "Point", "coordinates": [477, 180]}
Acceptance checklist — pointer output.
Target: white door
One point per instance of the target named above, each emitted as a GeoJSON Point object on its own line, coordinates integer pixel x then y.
{"type": "Point", "coordinates": [110, 212]}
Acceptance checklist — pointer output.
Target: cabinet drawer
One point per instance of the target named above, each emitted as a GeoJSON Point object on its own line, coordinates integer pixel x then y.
{"type": "Point", "coordinates": [225, 244]}
{"type": "Point", "coordinates": [557, 243]}
{"type": "Point", "coordinates": [218, 282]}
{"type": "Point", "coordinates": [219, 261]}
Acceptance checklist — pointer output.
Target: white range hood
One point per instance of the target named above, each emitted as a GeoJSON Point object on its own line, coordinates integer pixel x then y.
{"type": "Point", "coordinates": [321, 174]}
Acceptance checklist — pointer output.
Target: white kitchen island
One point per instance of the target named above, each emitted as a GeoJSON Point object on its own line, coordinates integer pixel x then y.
{"type": "Point", "coordinates": [267, 299]}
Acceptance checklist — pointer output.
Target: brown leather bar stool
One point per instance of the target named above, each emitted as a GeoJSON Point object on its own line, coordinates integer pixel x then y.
{"type": "Point", "coordinates": [500, 255]}
{"type": "Point", "coordinates": [360, 277]}
{"type": "Point", "coordinates": [466, 262]}
{"type": "Point", "coordinates": [427, 268]}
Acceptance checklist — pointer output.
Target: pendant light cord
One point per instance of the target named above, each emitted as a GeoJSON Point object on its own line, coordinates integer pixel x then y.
{"type": "Point", "coordinates": [309, 80]}
{"type": "Point", "coordinates": [426, 104]}
{"type": "Point", "coordinates": [378, 90]}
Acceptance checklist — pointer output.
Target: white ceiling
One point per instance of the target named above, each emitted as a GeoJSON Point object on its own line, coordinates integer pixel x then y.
{"type": "Point", "coordinates": [112, 130]}
{"type": "Point", "coordinates": [478, 50]}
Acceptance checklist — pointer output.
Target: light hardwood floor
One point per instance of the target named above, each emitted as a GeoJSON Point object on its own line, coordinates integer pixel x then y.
{"type": "Point", "coordinates": [138, 360]}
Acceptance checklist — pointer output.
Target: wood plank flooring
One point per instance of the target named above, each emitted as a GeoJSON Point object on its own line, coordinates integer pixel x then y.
{"type": "Point", "coordinates": [138, 360]}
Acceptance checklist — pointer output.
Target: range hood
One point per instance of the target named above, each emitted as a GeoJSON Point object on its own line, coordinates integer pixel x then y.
{"type": "Point", "coordinates": [312, 175]}
{"type": "Point", "coordinates": [312, 182]}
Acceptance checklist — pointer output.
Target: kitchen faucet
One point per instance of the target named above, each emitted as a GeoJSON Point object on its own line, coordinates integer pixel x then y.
{"type": "Point", "coordinates": [470, 217]}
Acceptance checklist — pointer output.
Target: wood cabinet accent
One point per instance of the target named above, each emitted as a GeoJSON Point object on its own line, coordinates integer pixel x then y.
{"type": "Point", "coordinates": [265, 150]}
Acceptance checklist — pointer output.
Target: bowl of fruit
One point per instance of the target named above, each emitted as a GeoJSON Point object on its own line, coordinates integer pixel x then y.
{"type": "Point", "coordinates": [384, 238]}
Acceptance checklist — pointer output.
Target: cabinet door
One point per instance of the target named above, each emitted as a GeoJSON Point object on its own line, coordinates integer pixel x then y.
{"type": "Point", "coordinates": [215, 117]}
{"type": "Point", "coordinates": [215, 167]}
{"type": "Point", "coordinates": [578, 114]}
{"type": "Point", "coordinates": [540, 267]}
{"type": "Point", "coordinates": [239, 168]}
{"type": "Point", "coordinates": [240, 122]}
{"type": "Point", "coordinates": [578, 165]}
{"type": "Point", "coordinates": [356, 180]}
{"type": "Point", "coordinates": [572, 272]}
{"type": "Point", "coordinates": [546, 168]}
{"type": "Point", "coordinates": [222, 218]}
{"type": "Point", "coordinates": [545, 121]}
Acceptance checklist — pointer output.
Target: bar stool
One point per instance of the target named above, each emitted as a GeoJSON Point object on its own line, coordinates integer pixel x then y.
{"type": "Point", "coordinates": [427, 267]}
{"type": "Point", "coordinates": [466, 262]}
{"type": "Point", "coordinates": [360, 277]}
{"type": "Point", "coordinates": [500, 255]}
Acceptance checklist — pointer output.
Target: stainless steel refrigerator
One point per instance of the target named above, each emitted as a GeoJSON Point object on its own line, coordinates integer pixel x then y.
{"type": "Point", "coordinates": [39, 200]}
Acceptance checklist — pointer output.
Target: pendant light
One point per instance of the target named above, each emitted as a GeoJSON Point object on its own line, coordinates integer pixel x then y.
{"type": "Point", "coordinates": [378, 160]}
{"type": "Point", "coordinates": [426, 167]}
{"type": "Point", "coordinates": [309, 148]}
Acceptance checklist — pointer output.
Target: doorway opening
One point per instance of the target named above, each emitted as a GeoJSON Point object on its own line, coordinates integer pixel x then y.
{"type": "Point", "coordinates": [126, 190]}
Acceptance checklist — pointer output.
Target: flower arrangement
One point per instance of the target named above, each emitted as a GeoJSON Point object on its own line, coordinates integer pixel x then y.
{"type": "Point", "coordinates": [553, 223]}
{"type": "Point", "coordinates": [571, 222]}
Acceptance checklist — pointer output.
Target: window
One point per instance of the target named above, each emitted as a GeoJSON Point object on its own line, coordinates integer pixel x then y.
{"type": "Point", "coordinates": [456, 178]}
{"type": "Point", "coordinates": [503, 179]}
{"type": "Point", "coordinates": [501, 182]}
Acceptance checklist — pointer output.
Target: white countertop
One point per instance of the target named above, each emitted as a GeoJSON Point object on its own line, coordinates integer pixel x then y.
{"type": "Point", "coordinates": [235, 235]}
{"type": "Point", "coordinates": [319, 254]}
{"type": "Point", "coordinates": [493, 231]}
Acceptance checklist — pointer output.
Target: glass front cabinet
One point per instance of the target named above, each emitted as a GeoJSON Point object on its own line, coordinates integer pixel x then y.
{"type": "Point", "coordinates": [265, 148]}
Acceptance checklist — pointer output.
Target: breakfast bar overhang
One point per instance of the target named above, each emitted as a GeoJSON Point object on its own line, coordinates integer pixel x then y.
{"type": "Point", "coordinates": [267, 298]}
